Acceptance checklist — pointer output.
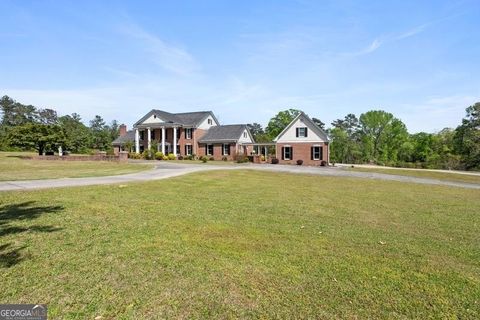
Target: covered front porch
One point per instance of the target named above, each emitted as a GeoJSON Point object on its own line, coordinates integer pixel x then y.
{"type": "Point", "coordinates": [265, 149]}
{"type": "Point", "coordinates": [165, 135]}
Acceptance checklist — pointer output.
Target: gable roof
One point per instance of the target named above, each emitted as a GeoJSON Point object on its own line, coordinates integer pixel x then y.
{"type": "Point", "coordinates": [185, 118]}
{"type": "Point", "coordinates": [130, 136]}
{"type": "Point", "coordinates": [227, 133]}
{"type": "Point", "coordinates": [312, 126]}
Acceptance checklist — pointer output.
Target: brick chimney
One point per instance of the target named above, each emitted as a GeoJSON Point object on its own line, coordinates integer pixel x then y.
{"type": "Point", "coordinates": [122, 130]}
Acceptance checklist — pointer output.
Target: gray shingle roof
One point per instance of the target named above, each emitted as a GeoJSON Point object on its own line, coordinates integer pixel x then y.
{"type": "Point", "coordinates": [186, 118]}
{"type": "Point", "coordinates": [223, 133]}
{"type": "Point", "coordinates": [130, 136]}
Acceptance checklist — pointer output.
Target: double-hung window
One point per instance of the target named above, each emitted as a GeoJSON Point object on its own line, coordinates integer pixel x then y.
{"type": "Point", "coordinates": [317, 153]}
{"type": "Point", "coordinates": [209, 149]}
{"type": "Point", "coordinates": [188, 133]}
{"type": "Point", "coordinates": [188, 149]}
{"type": "Point", "coordinates": [302, 132]}
{"type": "Point", "coordinates": [287, 153]}
{"type": "Point", "coordinates": [226, 149]}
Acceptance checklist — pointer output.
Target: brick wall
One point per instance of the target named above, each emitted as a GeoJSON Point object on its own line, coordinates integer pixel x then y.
{"type": "Point", "coordinates": [302, 151]}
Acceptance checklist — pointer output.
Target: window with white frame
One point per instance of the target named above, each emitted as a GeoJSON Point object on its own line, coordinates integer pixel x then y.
{"type": "Point", "coordinates": [209, 150]}
{"type": "Point", "coordinates": [302, 132]}
{"type": "Point", "coordinates": [317, 153]}
{"type": "Point", "coordinates": [188, 149]}
{"type": "Point", "coordinates": [287, 153]}
{"type": "Point", "coordinates": [188, 133]}
{"type": "Point", "coordinates": [226, 149]}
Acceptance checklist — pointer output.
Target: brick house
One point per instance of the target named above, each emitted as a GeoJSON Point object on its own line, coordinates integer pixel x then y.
{"type": "Point", "coordinates": [190, 133]}
{"type": "Point", "coordinates": [303, 140]}
{"type": "Point", "coordinates": [200, 133]}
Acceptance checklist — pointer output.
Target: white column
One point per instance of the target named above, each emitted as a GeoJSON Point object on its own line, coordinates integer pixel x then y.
{"type": "Point", "coordinates": [175, 141]}
{"type": "Point", "coordinates": [149, 138]}
{"type": "Point", "coordinates": [163, 140]}
{"type": "Point", "coordinates": [137, 141]}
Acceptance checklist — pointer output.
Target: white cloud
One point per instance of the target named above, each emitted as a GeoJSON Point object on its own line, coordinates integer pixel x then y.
{"type": "Point", "coordinates": [166, 55]}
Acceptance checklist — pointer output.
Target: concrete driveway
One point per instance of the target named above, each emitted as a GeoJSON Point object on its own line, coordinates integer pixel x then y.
{"type": "Point", "coordinates": [164, 170]}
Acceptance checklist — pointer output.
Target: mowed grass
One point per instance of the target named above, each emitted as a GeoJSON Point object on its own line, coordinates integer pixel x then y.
{"type": "Point", "coordinates": [13, 167]}
{"type": "Point", "coordinates": [243, 244]}
{"type": "Point", "coordinates": [419, 173]}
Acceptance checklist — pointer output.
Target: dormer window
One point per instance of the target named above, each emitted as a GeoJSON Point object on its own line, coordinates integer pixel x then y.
{"type": "Point", "coordinates": [210, 121]}
{"type": "Point", "coordinates": [245, 134]}
{"type": "Point", "coordinates": [302, 132]}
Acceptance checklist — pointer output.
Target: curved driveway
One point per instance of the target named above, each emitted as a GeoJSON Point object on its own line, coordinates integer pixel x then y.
{"type": "Point", "coordinates": [165, 170]}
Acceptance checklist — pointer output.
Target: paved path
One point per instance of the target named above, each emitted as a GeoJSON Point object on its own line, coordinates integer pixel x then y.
{"type": "Point", "coordinates": [165, 170]}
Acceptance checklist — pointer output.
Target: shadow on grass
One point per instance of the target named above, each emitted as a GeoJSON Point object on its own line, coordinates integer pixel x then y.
{"type": "Point", "coordinates": [11, 213]}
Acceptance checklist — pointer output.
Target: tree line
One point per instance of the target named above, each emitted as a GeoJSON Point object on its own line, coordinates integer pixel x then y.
{"type": "Point", "coordinates": [379, 137]}
{"type": "Point", "coordinates": [25, 127]}
{"type": "Point", "coordinates": [374, 137]}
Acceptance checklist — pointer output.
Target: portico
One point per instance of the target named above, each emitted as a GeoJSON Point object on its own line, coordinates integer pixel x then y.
{"type": "Point", "coordinates": [166, 136]}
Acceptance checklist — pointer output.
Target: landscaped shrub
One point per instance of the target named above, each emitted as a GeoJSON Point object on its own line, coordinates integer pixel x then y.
{"type": "Point", "coordinates": [180, 157]}
{"type": "Point", "coordinates": [159, 155]}
{"type": "Point", "coordinates": [147, 155]}
{"type": "Point", "coordinates": [203, 159]}
{"type": "Point", "coordinates": [189, 157]}
{"type": "Point", "coordinates": [211, 159]}
{"type": "Point", "coordinates": [171, 156]}
{"type": "Point", "coordinates": [165, 157]}
{"type": "Point", "coordinates": [110, 152]}
{"type": "Point", "coordinates": [240, 158]}
{"type": "Point", "coordinates": [262, 158]}
{"type": "Point", "coordinates": [275, 161]}
{"type": "Point", "coordinates": [323, 163]}
{"type": "Point", "coordinates": [299, 162]}
{"type": "Point", "coordinates": [224, 158]}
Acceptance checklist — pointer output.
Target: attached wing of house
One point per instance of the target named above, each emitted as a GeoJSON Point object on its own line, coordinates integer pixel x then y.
{"type": "Point", "coordinates": [303, 140]}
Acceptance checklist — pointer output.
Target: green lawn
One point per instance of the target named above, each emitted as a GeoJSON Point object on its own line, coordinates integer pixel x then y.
{"type": "Point", "coordinates": [449, 176]}
{"type": "Point", "coordinates": [12, 167]}
{"type": "Point", "coordinates": [243, 244]}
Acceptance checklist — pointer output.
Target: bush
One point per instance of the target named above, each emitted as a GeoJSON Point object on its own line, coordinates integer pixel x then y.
{"type": "Point", "coordinates": [110, 152]}
{"type": "Point", "coordinates": [211, 159]}
{"type": "Point", "coordinates": [224, 158]}
{"type": "Point", "coordinates": [203, 159]}
{"type": "Point", "coordinates": [240, 158]}
{"type": "Point", "coordinates": [323, 163]}
{"type": "Point", "coordinates": [134, 155]}
{"type": "Point", "coordinates": [189, 157]}
{"type": "Point", "coordinates": [275, 161]}
{"type": "Point", "coordinates": [159, 155]}
{"type": "Point", "coordinates": [165, 157]}
{"type": "Point", "coordinates": [171, 156]}
{"type": "Point", "coordinates": [262, 158]}
{"type": "Point", "coordinates": [299, 162]}
{"type": "Point", "coordinates": [147, 155]}
{"type": "Point", "coordinates": [180, 158]}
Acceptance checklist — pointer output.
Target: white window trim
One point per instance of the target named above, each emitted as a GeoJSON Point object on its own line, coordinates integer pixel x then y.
{"type": "Point", "coordinates": [223, 149]}
{"type": "Point", "coordinates": [319, 153]}
{"type": "Point", "coordinates": [284, 152]}
{"type": "Point", "coordinates": [304, 132]}
{"type": "Point", "coordinates": [208, 149]}
{"type": "Point", "coordinates": [191, 149]}
{"type": "Point", "coordinates": [188, 133]}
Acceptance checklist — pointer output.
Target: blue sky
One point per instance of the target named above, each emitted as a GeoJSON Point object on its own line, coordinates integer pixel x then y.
{"type": "Point", "coordinates": [245, 60]}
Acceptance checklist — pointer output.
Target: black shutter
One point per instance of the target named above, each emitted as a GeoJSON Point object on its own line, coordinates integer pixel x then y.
{"type": "Point", "coordinates": [321, 153]}
{"type": "Point", "coordinates": [296, 130]}
{"type": "Point", "coordinates": [228, 149]}
{"type": "Point", "coordinates": [283, 153]}
{"type": "Point", "coordinates": [206, 149]}
{"type": "Point", "coordinates": [185, 149]}
{"type": "Point", "coordinates": [306, 132]}
{"type": "Point", "coordinates": [291, 153]}
{"type": "Point", "coordinates": [312, 150]}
